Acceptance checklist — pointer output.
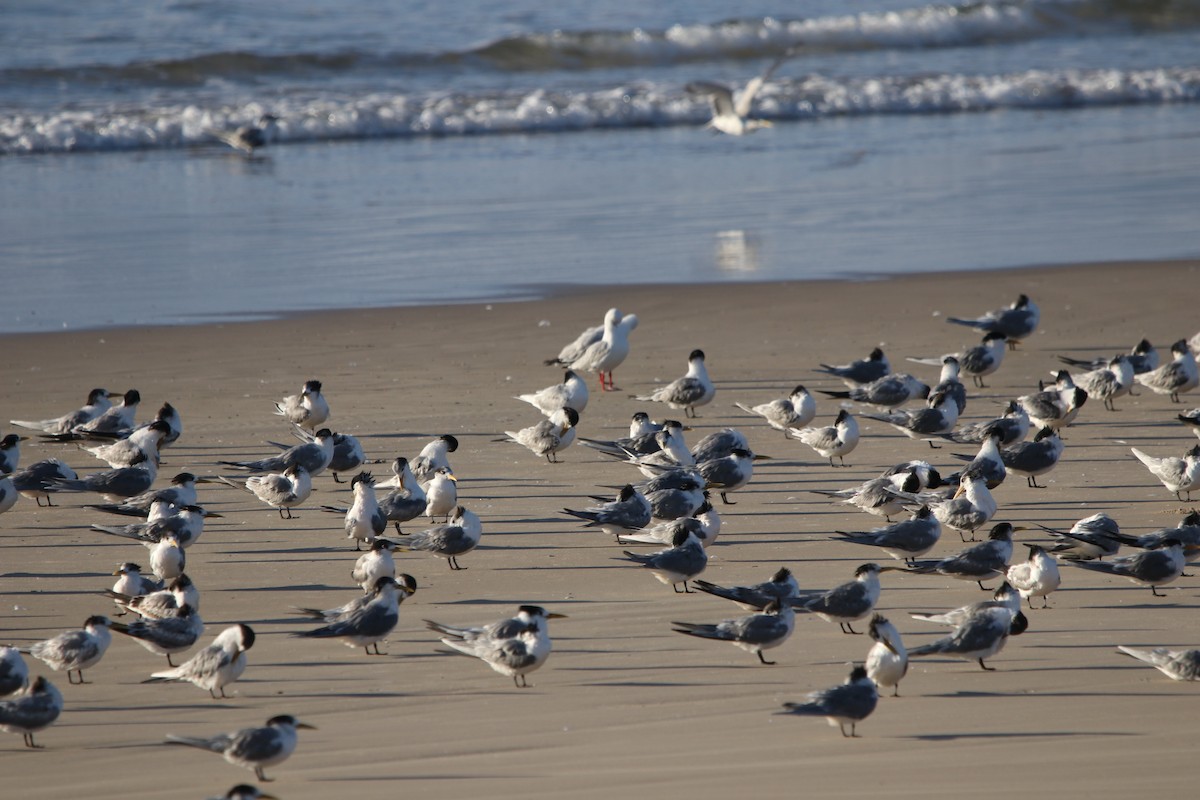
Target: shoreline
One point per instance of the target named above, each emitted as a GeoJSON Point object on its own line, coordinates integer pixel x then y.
{"type": "Point", "coordinates": [623, 704]}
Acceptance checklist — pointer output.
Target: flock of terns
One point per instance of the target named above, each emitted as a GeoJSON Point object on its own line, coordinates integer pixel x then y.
{"type": "Point", "coordinates": [672, 505]}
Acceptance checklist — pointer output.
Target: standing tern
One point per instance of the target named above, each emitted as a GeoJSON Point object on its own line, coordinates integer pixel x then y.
{"type": "Point", "coordinates": [906, 540]}
{"type": "Point", "coordinates": [937, 419]}
{"type": "Point", "coordinates": [159, 603]}
{"type": "Point", "coordinates": [1178, 665]}
{"type": "Point", "coordinates": [948, 380]}
{"type": "Point", "coordinates": [674, 494]}
{"type": "Point", "coordinates": [347, 455]}
{"type": "Point", "coordinates": [1013, 427]}
{"type": "Point", "coordinates": [378, 562]}
{"type": "Point", "coordinates": [31, 711]}
{"type": "Point", "coordinates": [185, 523]}
{"type": "Point", "coordinates": [781, 586]}
{"type": "Point", "coordinates": [754, 633]}
{"type": "Point", "coordinates": [1054, 408]}
{"type": "Point", "coordinates": [457, 538]}
{"type": "Point", "coordinates": [1143, 358]}
{"type": "Point", "coordinates": [247, 138]}
{"type": "Point", "coordinates": [252, 748]}
{"type": "Point", "coordinates": [1179, 475]}
{"type": "Point", "coordinates": [216, 666]}
{"type": "Point", "coordinates": [1017, 322]}
{"type": "Point", "coordinates": [694, 389]}
{"type": "Point", "coordinates": [887, 660]}
{"type": "Point", "coordinates": [282, 491]}
{"type": "Point", "coordinates": [877, 496]}
{"type": "Point", "coordinates": [838, 439]}
{"type": "Point", "coordinates": [408, 500]}
{"type": "Point", "coordinates": [441, 495]}
{"type": "Point", "coordinates": [890, 391]}
{"type": "Point", "coordinates": [117, 420]}
{"type": "Point", "coordinates": [114, 484]}
{"type": "Point", "coordinates": [1036, 577]}
{"type": "Point", "coordinates": [1187, 532]}
{"type": "Point", "coordinates": [980, 636]}
{"type": "Point", "coordinates": [794, 411]}
{"type": "Point", "coordinates": [364, 519]}
{"type": "Point", "coordinates": [131, 583]}
{"type": "Point", "coordinates": [314, 456]}
{"type": "Point", "coordinates": [1177, 377]}
{"type": "Point", "coordinates": [1031, 459]}
{"type": "Point", "coordinates": [308, 409]}
{"type": "Point", "coordinates": [862, 371]}
{"type": "Point", "coordinates": [1155, 567]}
{"type": "Point", "coordinates": [1108, 382]}
{"type": "Point", "coordinates": [607, 353]}
{"type": "Point", "coordinates": [847, 704]}
{"type": "Point", "coordinates": [75, 651]}
{"type": "Point", "coordinates": [97, 403]}
{"type": "Point", "coordinates": [730, 115]}
{"type": "Point", "coordinates": [1005, 596]}
{"type": "Point", "coordinates": [683, 560]}
{"type": "Point", "coordinates": [166, 636]}
{"type": "Point", "coordinates": [706, 525]}
{"type": "Point", "coordinates": [433, 456]}
{"type": "Point", "coordinates": [978, 563]}
{"type": "Point", "coordinates": [988, 461]}
{"type": "Point", "coordinates": [181, 492]}
{"type": "Point", "coordinates": [850, 601]}
{"type": "Point", "coordinates": [728, 474]}
{"type": "Point", "coordinates": [1096, 536]}
{"type": "Point", "coordinates": [548, 437]}
{"type": "Point", "coordinates": [513, 647]}
{"type": "Point", "coordinates": [572, 392]}
{"type": "Point", "coordinates": [167, 558]}
{"type": "Point", "coordinates": [642, 438]}
{"type": "Point", "coordinates": [367, 624]}
{"type": "Point", "coordinates": [630, 512]}
{"type": "Point", "coordinates": [141, 445]}
{"type": "Point", "coordinates": [979, 361]}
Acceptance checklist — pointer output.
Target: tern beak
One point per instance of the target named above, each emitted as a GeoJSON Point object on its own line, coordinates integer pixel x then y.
{"type": "Point", "coordinates": [306, 726]}
{"type": "Point", "coordinates": [556, 616]}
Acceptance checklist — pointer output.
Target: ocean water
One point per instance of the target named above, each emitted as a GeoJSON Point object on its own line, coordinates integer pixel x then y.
{"type": "Point", "coordinates": [487, 150]}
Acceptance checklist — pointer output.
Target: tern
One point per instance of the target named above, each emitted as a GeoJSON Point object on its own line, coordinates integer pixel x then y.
{"type": "Point", "coordinates": [367, 624]}
{"type": "Point", "coordinates": [1054, 408]}
{"type": "Point", "coordinates": [979, 361]}
{"type": "Point", "coordinates": [252, 748]}
{"type": "Point", "coordinates": [308, 409]}
{"type": "Point", "coordinates": [642, 438]}
{"type": "Point", "coordinates": [433, 456]}
{"type": "Point", "coordinates": [10, 453]}
{"type": "Point", "coordinates": [378, 562]}
{"type": "Point", "coordinates": [794, 411]}
{"type": "Point", "coordinates": [157, 603]}
{"type": "Point", "coordinates": [166, 636]}
{"type": "Point", "coordinates": [1030, 459]}
{"type": "Point", "coordinates": [705, 525]}
{"type": "Point", "coordinates": [347, 455]}
{"type": "Point", "coordinates": [1107, 383]}
{"type": "Point", "coordinates": [548, 437]}
{"type": "Point", "coordinates": [887, 660]}
{"type": "Point", "coordinates": [117, 420]}
{"type": "Point", "coordinates": [683, 560]}
{"type": "Point", "coordinates": [185, 523]}
{"type": "Point", "coordinates": [31, 711]}
{"type": "Point", "coordinates": [1178, 665]}
{"type": "Point", "coordinates": [906, 540]}
{"type": "Point", "coordinates": [14, 674]}
{"type": "Point", "coordinates": [457, 538]}
{"type": "Point", "coordinates": [988, 461]}
{"type": "Point", "coordinates": [728, 474]}
{"type": "Point", "coordinates": [216, 666]}
{"type": "Point", "coordinates": [282, 491]}
{"type": "Point", "coordinates": [1191, 420]}
{"type": "Point", "coordinates": [753, 633]}
{"type": "Point", "coordinates": [114, 485]}
{"type": "Point", "coordinates": [674, 494]}
{"type": "Point", "coordinates": [890, 391]}
{"type": "Point", "coordinates": [1179, 475]}
{"type": "Point", "coordinates": [181, 492]}
{"type": "Point", "coordinates": [1155, 567]}
{"type": "Point", "coordinates": [629, 512]}
{"type": "Point", "coordinates": [980, 636]}
{"type": "Point", "coordinates": [937, 419]}
{"type": "Point", "coordinates": [1143, 357]}
{"type": "Point", "coordinates": [407, 501]}
{"type": "Point", "coordinates": [1017, 322]}
{"type": "Point", "coordinates": [571, 393]}
{"type": "Point", "coordinates": [38, 480]}
{"type": "Point", "coordinates": [1187, 532]}
{"type": "Point", "coordinates": [1096, 536]}
{"type": "Point", "coordinates": [97, 403]}
{"type": "Point", "coordinates": [850, 601]}
{"type": "Point", "coordinates": [847, 704]}
{"type": "Point", "coordinates": [1013, 427]}
{"type": "Point", "coordinates": [441, 495]}
{"type": "Point", "coordinates": [838, 439]}
{"type": "Point", "coordinates": [694, 389]}
{"type": "Point", "coordinates": [988, 559]}
{"type": "Point", "coordinates": [364, 519]}
{"type": "Point", "coordinates": [314, 456]}
{"type": "Point", "coordinates": [1005, 596]}
{"type": "Point", "coordinates": [1177, 377]}
{"type": "Point", "coordinates": [862, 371]}
{"type": "Point", "coordinates": [141, 445]}
{"type": "Point", "coordinates": [781, 586]}
{"type": "Point", "coordinates": [877, 496]}
{"type": "Point", "coordinates": [75, 651]}
{"type": "Point", "coordinates": [513, 647]}
{"type": "Point", "coordinates": [730, 115]}
{"type": "Point", "coordinates": [1036, 577]}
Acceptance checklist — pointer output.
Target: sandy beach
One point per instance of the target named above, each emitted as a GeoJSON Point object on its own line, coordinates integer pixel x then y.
{"type": "Point", "coordinates": [624, 707]}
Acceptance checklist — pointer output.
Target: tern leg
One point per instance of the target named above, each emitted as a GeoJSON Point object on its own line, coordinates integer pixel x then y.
{"type": "Point", "coordinates": [336, 479]}
{"type": "Point", "coordinates": [726, 500]}
{"type": "Point", "coordinates": [846, 628]}
{"type": "Point", "coordinates": [896, 690]}
{"type": "Point", "coordinates": [1033, 484]}
{"type": "Point", "coordinates": [985, 666]}
{"type": "Point", "coordinates": [454, 563]}
{"type": "Point", "coordinates": [258, 773]}
{"type": "Point", "coordinates": [30, 743]}
{"type": "Point", "coordinates": [169, 661]}
{"type": "Point", "coordinates": [763, 660]}
{"type": "Point", "coordinates": [1154, 592]}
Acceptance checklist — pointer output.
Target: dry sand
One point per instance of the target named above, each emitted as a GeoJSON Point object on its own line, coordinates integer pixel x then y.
{"type": "Point", "coordinates": [624, 707]}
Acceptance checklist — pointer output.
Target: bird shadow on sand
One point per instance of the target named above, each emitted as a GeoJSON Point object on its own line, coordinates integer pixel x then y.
{"type": "Point", "coordinates": [950, 737]}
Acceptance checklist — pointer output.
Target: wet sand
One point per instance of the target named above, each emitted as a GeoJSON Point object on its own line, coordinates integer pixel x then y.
{"type": "Point", "coordinates": [623, 707]}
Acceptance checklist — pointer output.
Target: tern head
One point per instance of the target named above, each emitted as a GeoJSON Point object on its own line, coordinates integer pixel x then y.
{"type": "Point", "coordinates": [1045, 433]}
{"type": "Point", "coordinates": [534, 613]}
{"type": "Point", "coordinates": [245, 637]}
{"type": "Point", "coordinates": [244, 791]}
{"type": "Point", "coordinates": [878, 621]}
{"type": "Point", "coordinates": [324, 433]}
{"type": "Point", "coordinates": [132, 397]}
{"type": "Point", "coordinates": [569, 376]}
{"type": "Point", "coordinates": [451, 442]}
{"type": "Point", "coordinates": [127, 568]}
{"type": "Point", "coordinates": [572, 416]}
{"type": "Point", "coordinates": [1022, 301]}
{"type": "Point", "coordinates": [684, 532]}
{"type": "Point", "coordinates": [799, 391]}
{"type": "Point", "coordinates": [1193, 518]}
{"type": "Point", "coordinates": [167, 411]}
{"type": "Point", "coordinates": [1078, 397]}
{"type": "Point", "coordinates": [287, 720]}
{"type": "Point", "coordinates": [627, 493]}
{"type": "Point", "coordinates": [641, 416]}
{"type": "Point", "coordinates": [1143, 347]}
{"type": "Point", "coordinates": [1019, 624]}
{"type": "Point", "coordinates": [992, 337]}
{"type": "Point", "coordinates": [364, 478]}
{"type": "Point", "coordinates": [867, 569]}
{"type": "Point", "coordinates": [1180, 347]}
{"type": "Point", "coordinates": [922, 513]}
{"type": "Point", "coordinates": [204, 512]}
{"type": "Point", "coordinates": [311, 388]}
{"type": "Point", "coordinates": [857, 673]}
{"type": "Point", "coordinates": [96, 395]}
{"type": "Point", "coordinates": [183, 478]}
{"type": "Point", "coordinates": [382, 544]}
{"type": "Point", "coordinates": [97, 621]}
{"type": "Point", "coordinates": [696, 355]}
{"type": "Point", "coordinates": [994, 432]}
{"type": "Point", "coordinates": [382, 583]}
{"type": "Point", "coordinates": [1003, 532]}
{"type": "Point", "coordinates": [875, 355]}
{"type": "Point", "coordinates": [407, 583]}
{"type": "Point", "coordinates": [181, 582]}
{"type": "Point", "coordinates": [774, 607]}
{"type": "Point", "coordinates": [842, 416]}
